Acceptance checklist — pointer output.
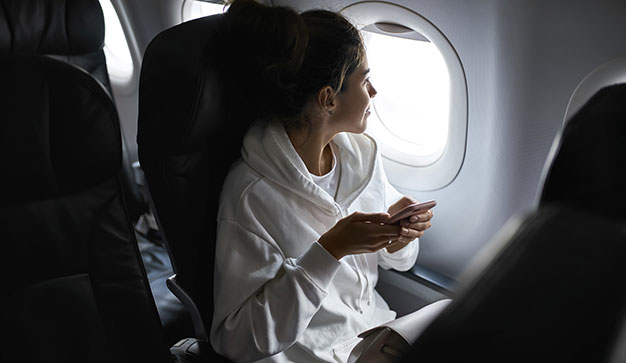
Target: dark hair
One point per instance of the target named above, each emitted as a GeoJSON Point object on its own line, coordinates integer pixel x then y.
{"type": "Point", "coordinates": [284, 58]}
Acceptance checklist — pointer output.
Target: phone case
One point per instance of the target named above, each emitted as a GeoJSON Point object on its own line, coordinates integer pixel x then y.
{"type": "Point", "coordinates": [410, 210]}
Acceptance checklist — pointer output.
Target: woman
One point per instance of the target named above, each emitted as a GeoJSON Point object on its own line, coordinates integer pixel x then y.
{"type": "Point", "coordinates": [301, 225]}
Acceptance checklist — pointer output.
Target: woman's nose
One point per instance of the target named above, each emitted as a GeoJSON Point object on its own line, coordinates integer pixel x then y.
{"type": "Point", "coordinates": [372, 91]}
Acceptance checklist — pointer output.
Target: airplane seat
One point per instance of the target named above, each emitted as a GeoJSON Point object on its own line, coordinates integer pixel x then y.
{"type": "Point", "coordinates": [587, 166]}
{"type": "Point", "coordinates": [73, 31]}
{"type": "Point", "coordinates": [74, 288]}
{"type": "Point", "coordinates": [188, 137]}
{"type": "Point", "coordinates": [548, 287]}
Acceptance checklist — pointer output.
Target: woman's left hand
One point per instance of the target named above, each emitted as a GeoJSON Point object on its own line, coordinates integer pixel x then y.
{"type": "Point", "coordinates": [413, 227]}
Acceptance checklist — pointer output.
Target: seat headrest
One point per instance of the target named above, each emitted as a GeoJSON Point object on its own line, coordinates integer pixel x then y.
{"type": "Point", "coordinates": [64, 27]}
{"type": "Point", "coordinates": [589, 166]}
{"type": "Point", "coordinates": [180, 96]}
{"type": "Point", "coordinates": [59, 130]}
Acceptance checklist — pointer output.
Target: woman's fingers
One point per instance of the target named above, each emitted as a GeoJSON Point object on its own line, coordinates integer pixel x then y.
{"type": "Point", "coordinates": [401, 203]}
{"type": "Point", "coordinates": [376, 218]}
{"type": "Point", "coordinates": [371, 230]}
{"type": "Point", "coordinates": [410, 233]}
{"type": "Point", "coordinates": [385, 230]}
{"type": "Point", "coordinates": [420, 226]}
{"type": "Point", "coordinates": [423, 217]}
{"type": "Point", "coordinates": [395, 246]}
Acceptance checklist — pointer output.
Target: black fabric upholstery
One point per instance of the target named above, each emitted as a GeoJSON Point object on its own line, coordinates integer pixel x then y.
{"type": "Point", "coordinates": [189, 133]}
{"type": "Point", "coordinates": [589, 168]}
{"type": "Point", "coordinates": [73, 31]}
{"type": "Point", "coordinates": [74, 289]}
{"type": "Point", "coordinates": [552, 293]}
{"type": "Point", "coordinates": [69, 30]}
{"type": "Point", "coordinates": [95, 64]}
{"type": "Point", "coordinates": [22, 313]}
{"type": "Point", "coordinates": [69, 27]}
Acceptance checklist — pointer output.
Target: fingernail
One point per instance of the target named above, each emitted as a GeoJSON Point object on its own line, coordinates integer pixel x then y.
{"type": "Point", "coordinates": [405, 231]}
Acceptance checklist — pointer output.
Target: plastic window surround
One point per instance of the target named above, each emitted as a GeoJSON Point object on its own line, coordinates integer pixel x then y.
{"type": "Point", "coordinates": [116, 48]}
{"type": "Point", "coordinates": [442, 171]}
{"type": "Point", "coordinates": [193, 9]}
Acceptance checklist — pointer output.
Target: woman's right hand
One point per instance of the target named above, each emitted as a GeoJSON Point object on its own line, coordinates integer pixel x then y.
{"type": "Point", "coordinates": [359, 233]}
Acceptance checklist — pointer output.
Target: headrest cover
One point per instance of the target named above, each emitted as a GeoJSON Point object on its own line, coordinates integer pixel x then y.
{"type": "Point", "coordinates": [59, 131]}
{"type": "Point", "coordinates": [589, 169]}
{"type": "Point", "coordinates": [62, 27]}
{"type": "Point", "coordinates": [180, 96]}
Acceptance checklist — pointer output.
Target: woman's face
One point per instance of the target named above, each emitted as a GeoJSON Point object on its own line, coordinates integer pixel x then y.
{"type": "Point", "coordinates": [352, 106]}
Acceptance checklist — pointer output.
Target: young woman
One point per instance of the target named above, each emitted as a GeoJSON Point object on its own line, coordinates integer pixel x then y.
{"type": "Point", "coordinates": [302, 221]}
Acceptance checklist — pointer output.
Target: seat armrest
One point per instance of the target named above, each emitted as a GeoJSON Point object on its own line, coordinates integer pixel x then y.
{"type": "Point", "coordinates": [190, 305]}
{"type": "Point", "coordinates": [192, 350]}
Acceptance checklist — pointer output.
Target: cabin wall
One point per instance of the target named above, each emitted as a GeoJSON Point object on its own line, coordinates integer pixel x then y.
{"type": "Point", "coordinates": [523, 59]}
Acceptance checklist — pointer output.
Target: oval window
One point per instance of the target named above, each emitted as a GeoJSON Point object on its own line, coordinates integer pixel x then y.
{"type": "Point", "coordinates": [420, 111]}
{"type": "Point", "coordinates": [413, 101]}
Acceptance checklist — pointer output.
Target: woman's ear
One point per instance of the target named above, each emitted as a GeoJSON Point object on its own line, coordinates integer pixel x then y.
{"type": "Point", "coordinates": [326, 100]}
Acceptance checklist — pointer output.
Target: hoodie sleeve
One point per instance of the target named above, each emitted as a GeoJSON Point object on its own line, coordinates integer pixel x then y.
{"type": "Point", "coordinates": [403, 259]}
{"type": "Point", "coordinates": [264, 301]}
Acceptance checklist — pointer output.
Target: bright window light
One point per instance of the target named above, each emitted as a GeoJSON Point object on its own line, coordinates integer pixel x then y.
{"type": "Point", "coordinates": [119, 61]}
{"type": "Point", "coordinates": [413, 101]}
{"type": "Point", "coordinates": [193, 9]}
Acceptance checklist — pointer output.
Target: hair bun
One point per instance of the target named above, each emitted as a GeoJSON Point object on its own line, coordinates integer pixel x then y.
{"type": "Point", "coordinates": [268, 45]}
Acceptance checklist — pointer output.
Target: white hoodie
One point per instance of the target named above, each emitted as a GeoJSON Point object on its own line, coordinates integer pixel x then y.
{"type": "Point", "coordinates": [279, 294]}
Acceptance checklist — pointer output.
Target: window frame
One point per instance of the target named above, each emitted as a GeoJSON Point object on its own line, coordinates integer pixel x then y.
{"type": "Point", "coordinates": [125, 83]}
{"type": "Point", "coordinates": [185, 13]}
{"type": "Point", "coordinates": [401, 172]}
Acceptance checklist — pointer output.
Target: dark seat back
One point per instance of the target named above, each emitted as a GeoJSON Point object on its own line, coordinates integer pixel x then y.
{"type": "Point", "coordinates": [73, 289]}
{"type": "Point", "coordinates": [551, 292]}
{"type": "Point", "coordinates": [72, 31]}
{"type": "Point", "coordinates": [588, 168]}
{"type": "Point", "coordinates": [189, 134]}
{"type": "Point", "coordinates": [549, 289]}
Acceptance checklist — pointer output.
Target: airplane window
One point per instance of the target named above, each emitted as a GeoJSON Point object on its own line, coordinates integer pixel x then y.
{"type": "Point", "coordinates": [420, 111]}
{"type": "Point", "coordinates": [116, 51]}
{"type": "Point", "coordinates": [412, 105]}
{"type": "Point", "coordinates": [193, 9]}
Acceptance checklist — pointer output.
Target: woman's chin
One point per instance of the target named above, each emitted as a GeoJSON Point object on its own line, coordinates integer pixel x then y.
{"type": "Point", "coordinates": [364, 122]}
{"type": "Point", "coordinates": [362, 127]}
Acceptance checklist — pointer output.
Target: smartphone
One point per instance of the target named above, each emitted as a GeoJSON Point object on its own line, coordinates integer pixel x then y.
{"type": "Point", "coordinates": [410, 210]}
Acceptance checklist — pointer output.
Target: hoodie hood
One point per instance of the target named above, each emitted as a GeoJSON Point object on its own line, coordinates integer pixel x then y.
{"type": "Point", "coordinates": [268, 150]}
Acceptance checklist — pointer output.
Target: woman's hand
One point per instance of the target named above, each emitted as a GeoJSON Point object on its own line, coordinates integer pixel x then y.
{"type": "Point", "coordinates": [413, 227]}
{"type": "Point", "coordinates": [359, 233]}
